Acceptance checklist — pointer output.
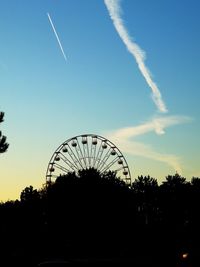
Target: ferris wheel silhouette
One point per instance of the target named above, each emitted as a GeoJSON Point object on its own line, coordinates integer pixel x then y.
{"type": "Point", "coordinates": [85, 152]}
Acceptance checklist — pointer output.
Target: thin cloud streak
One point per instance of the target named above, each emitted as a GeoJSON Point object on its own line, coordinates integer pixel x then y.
{"type": "Point", "coordinates": [54, 30]}
{"type": "Point", "coordinates": [157, 124]}
{"type": "Point", "coordinates": [122, 138]}
{"type": "Point", "coordinates": [139, 55]}
{"type": "Point", "coordinates": [147, 151]}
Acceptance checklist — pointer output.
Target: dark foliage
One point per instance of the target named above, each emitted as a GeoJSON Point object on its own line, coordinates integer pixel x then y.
{"type": "Point", "coordinates": [93, 216]}
{"type": "Point", "coordinates": [3, 144]}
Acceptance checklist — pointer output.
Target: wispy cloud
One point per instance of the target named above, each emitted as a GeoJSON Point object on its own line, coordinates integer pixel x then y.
{"type": "Point", "coordinates": [124, 138]}
{"type": "Point", "coordinates": [54, 30]}
{"type": "Point", "coordinates": [157, 124]}
{"type": "Point", "coordinates": [139, 55]}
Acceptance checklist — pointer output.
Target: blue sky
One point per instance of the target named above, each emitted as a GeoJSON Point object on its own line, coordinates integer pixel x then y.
{"type": "Point", "coordinates": [99, 89]}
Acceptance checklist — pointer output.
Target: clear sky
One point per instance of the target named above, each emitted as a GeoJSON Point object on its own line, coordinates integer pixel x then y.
{"type": "Point", "coordinates": [99, 88]}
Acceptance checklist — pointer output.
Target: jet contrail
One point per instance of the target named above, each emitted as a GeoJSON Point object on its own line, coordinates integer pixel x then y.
{"type": "Point", "coordinates": [57, 37]}
{"type": "Point", "coordinates": [139, 55]}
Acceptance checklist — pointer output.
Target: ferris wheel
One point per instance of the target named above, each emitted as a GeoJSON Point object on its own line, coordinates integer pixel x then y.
{"type": "Point", "coordinates": [85, 152]}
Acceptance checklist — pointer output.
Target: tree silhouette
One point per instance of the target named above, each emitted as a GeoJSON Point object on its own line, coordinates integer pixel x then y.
{"type": "Point", "coordinates": [174, 198]}
{"type": "Point", "coordinates": [194, 215]}
{"type": "Point", "coordinates": [88, 215]}
{"type": "Point", "coordinates": [29, 194]}
{"type": "Point", "coordinates": [146, 189]}
{"type": "Point", "coordinates": [3, 144]}
{"type": "Point", "coordinates": [88, 211]}
{"type": "Point", "coordinates": [174, 182]}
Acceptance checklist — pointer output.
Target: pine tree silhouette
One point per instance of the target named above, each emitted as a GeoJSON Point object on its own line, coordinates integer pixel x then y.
{"type": "Point", "coordinates": [3, 144]}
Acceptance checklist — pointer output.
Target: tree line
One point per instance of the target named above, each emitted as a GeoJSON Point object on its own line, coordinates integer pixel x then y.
{"type": "Point", "coordinates": [93, 215]}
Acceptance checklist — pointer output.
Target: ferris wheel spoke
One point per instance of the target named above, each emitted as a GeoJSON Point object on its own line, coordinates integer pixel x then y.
{"type": "Point", "coordinates": [103, 161]}
{"type": "Point", "coordinates": [86, 154]}
{"type": "Point", "coordinates": [80, 158]}
{"type": "Point", "coordinates": [101, 158]}
{"type": "Point", "coordinates": [99, 152]}
{"type": "Point", "coordinates": [68, 162]}
{"type": "Point", "coordinates": [61, 167]}
{"type": "Point", "coordinates": [90, 149]}
{"type": "Point", "coordinates": [109, 165]}
{"type": "Point", "coordinates": [80, 154]}
{"type": "Point", "coordinates": [86, 148]}
{"type": "Point", "coordinates": [71, 155]}
{"type": "Point", "coordinates": [93, 154]}
{"type": "Point", "coordinates": [74, 158]}
{"type": "Point", "coordinates": [77, 152]}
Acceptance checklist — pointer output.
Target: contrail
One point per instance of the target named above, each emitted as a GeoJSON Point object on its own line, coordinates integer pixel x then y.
{"type": "Point", "coordinates": [124, 138]}
{"type": "Point", "coordinates": [139, 55]}
{"type": "Point", "coordinates": [57, 37]}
